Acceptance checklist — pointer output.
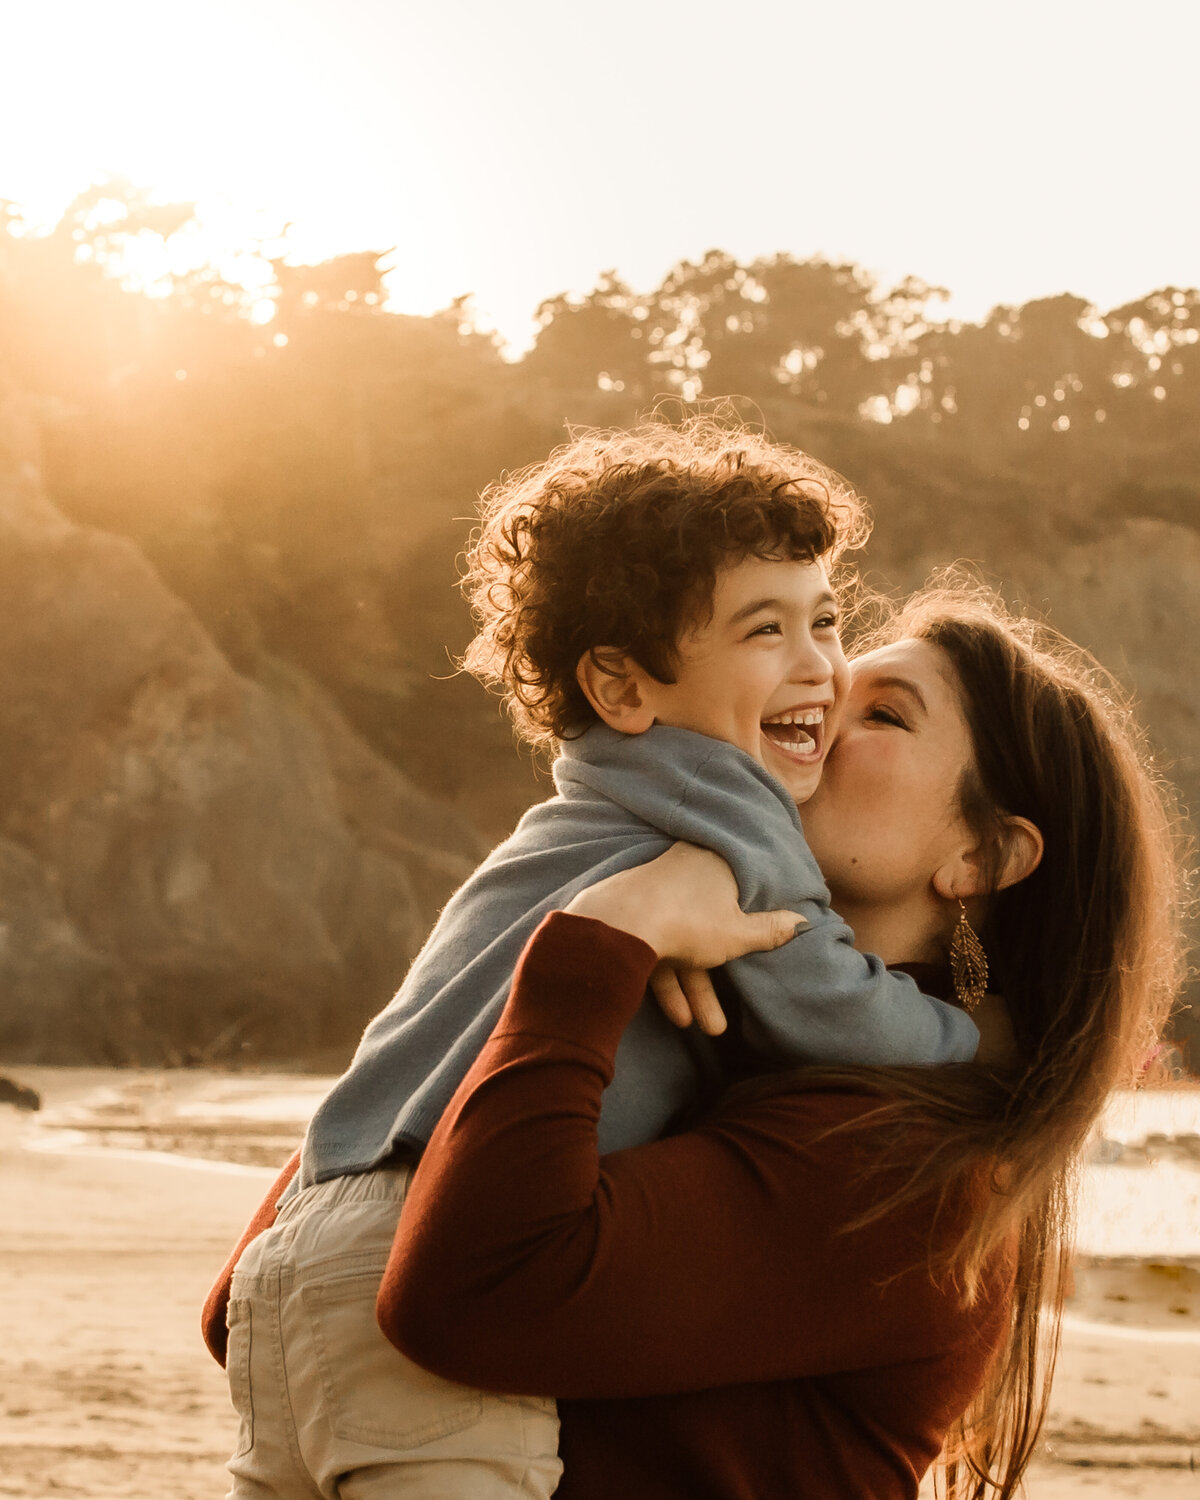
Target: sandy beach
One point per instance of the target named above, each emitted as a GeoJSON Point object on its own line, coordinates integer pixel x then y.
{"type": "Point", "coordinates": [123, 1195]}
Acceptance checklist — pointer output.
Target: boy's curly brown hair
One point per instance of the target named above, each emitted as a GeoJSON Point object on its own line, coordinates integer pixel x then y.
{"type": "Point", "coordinates": [616, 540]}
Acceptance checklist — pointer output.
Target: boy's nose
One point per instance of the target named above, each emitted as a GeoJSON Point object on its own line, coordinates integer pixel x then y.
{"type": "Point", "coordinates": [810, 664]}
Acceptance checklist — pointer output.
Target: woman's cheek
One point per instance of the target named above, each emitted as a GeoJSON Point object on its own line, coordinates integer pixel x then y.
{"type": "Point", "coordinates": [862, 768]}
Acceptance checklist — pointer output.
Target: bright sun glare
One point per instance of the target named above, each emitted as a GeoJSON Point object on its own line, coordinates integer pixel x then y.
{"type": "Point", "coordinates": [212, 106]}
{"type": "Point", "coordinates": [492, 154]}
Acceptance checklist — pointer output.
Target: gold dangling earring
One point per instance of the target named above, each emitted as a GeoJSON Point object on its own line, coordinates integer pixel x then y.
{"type": "Point", "coordinates": [968, 963]}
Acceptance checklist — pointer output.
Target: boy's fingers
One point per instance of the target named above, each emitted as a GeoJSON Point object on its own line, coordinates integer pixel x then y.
{"type": "Point", "coordinates": [667, 990]}
{"type": "Point", "coordinates": [702, 999]}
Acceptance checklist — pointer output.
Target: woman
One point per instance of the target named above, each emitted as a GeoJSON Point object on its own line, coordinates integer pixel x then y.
{"type": "Point", "coordinates": [841, 1270]}
{"type": "Point", "coordinates": [974, 764]}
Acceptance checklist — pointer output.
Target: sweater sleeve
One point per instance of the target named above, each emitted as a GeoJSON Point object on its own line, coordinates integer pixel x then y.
{"type": "Point", "coordinates": [816, 999]}
{"type": "Point", "coordinates": [526, 1262]}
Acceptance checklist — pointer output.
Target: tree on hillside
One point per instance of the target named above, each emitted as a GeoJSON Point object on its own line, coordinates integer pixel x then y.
{"type": "Point", "coordinates": [602, 335]}
{"type": "Point", "coordinates": [1024, 370]}
{"type": "Point", "coordinates": [68, 323]}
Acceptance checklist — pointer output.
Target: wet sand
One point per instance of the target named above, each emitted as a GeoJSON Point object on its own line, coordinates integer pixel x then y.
{"type": "Point", "coordinates": [105, 1387]}
{"type": "Point", "coordinates": [108, 1247]}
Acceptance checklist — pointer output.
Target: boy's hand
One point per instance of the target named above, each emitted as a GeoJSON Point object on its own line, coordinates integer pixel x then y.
{"type": "Point", "coordinates": [685, 905]}
{"type": "Point", "coordinates": [687, 995]}
{"type": "Point", "coordinates": [997, 1047]}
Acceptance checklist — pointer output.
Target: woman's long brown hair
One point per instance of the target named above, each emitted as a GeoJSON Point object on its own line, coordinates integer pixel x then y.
{"type": "Point", "coordinates": [1087, 953]}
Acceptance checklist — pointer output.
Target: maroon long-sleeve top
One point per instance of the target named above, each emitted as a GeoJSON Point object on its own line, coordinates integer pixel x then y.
{"type": "Point", "coordinates": [711, 1326]}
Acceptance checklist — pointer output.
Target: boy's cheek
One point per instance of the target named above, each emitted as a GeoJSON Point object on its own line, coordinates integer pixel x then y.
{"type": "Point", "coordinates": [811, 782]}
{"type": "Point", "coordinates": [832, 726]}
{"type": "Point", "coordinates": [841, 681]}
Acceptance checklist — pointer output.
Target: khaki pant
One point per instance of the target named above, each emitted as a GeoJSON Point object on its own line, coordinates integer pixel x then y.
{"type": "Point", "coordinates": [328, 1407]}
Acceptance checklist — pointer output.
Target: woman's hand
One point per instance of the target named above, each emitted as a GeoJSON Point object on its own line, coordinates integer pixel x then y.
{"type": "Point", "coordinates": [684, 904]}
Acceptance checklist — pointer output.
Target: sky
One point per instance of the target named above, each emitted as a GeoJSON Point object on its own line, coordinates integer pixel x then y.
{"type": "Point", "coordinates": [515, 151]}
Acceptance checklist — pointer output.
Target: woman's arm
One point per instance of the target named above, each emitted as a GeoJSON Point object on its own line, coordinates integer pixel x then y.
{"type": "Point", "coordinates": [524, 1262]}
{"type": "Point", "coordinates": [661, 902]}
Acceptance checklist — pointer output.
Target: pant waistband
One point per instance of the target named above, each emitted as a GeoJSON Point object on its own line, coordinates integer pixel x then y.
{"type": "Point", "coordinates": [384, 1185]}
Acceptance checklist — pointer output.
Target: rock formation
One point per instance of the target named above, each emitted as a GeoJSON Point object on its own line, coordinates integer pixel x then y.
{"type": "Point", "coordinates": [193, 865]}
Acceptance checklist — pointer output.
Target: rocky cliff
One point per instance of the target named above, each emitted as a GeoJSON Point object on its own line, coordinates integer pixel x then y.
{"type": "Point", "coordinates": [193, 864]}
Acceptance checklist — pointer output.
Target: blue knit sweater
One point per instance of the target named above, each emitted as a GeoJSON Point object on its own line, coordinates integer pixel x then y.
{"type": "Point", "coordinates": [622, 800]}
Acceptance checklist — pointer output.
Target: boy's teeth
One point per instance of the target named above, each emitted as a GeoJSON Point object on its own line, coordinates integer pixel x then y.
{"type": "Point", "coordinates": [788, 730]}
{"type": "Point", "coordinates": [796, 741]}
{"type": "Point", "coordinates": [799, 716]}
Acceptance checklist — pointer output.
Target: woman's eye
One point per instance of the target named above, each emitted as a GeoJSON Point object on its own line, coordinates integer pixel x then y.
{"type": "Point", "coordinates": [882, 715]}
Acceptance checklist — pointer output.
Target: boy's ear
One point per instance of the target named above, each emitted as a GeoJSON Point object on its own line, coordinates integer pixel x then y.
{"type": "Point", "coordinates": [615, 686]}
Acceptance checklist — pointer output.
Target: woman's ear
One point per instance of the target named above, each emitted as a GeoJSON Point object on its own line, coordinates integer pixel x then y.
{"type": "Point", "coordinates": [1023, 850]}
{"type": "Point", "coordinates": [969, 873]}
{"type": "Point", "coordinates": [962, 876]}
{"type": "Point", "coordinates": [615, 686]}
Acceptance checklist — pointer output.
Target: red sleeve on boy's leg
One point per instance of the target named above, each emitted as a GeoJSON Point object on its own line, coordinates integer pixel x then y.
{"type": "Point", "coordinates": [216, 1307]}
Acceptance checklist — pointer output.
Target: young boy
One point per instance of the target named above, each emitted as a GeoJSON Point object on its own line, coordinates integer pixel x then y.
{"type": "Point", "coordinates": [657, 604]}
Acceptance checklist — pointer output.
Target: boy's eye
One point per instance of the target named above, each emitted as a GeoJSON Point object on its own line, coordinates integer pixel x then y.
{"type": "Point", "coordinates": [826, 622]}
{"type": "Point", "coordinates": [772, 627]}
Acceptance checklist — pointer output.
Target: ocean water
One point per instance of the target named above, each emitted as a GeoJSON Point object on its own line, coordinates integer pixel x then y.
{"type": "Point", "coordinates": [1140, 1191]}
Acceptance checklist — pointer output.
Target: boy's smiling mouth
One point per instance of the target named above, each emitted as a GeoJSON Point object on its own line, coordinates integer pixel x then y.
{"type": "Point", "coordinates": [798, 733]}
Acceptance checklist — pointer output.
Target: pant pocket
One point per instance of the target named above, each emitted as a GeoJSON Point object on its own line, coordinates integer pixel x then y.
{"type": "Point", "coordinates": [237, 1368]}
{"type": "Point", "coordinates": [373, 1394]}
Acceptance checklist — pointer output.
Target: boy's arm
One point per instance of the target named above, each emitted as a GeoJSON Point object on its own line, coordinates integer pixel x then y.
{"type": "Point", "coordinates": [817, 999]}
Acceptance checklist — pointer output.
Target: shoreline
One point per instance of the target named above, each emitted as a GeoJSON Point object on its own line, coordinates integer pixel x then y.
{"type": "Point", "coordinates": [108, 1251]}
